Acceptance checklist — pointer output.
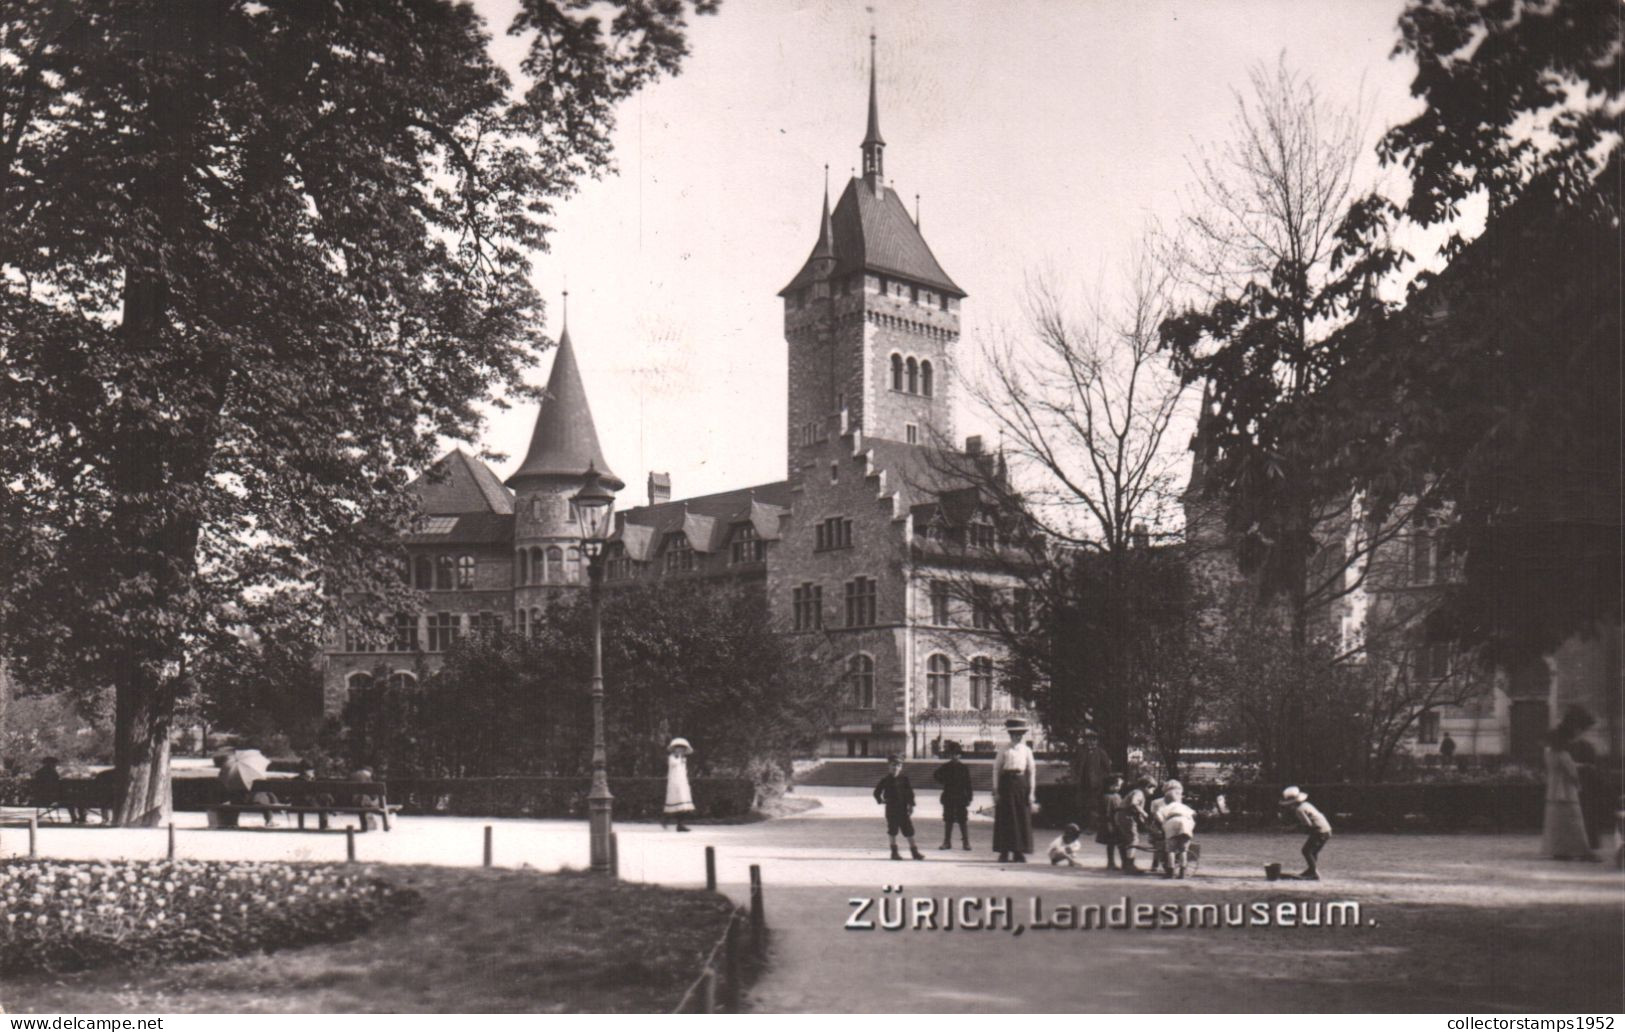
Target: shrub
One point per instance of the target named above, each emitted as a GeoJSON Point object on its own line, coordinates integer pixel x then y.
{"type": "Point", "coordinates": [1351, 807]}
{"type": "Point", "coordinates": [61, 915]}
{"type": "Point", "coordinates": [635, 798]}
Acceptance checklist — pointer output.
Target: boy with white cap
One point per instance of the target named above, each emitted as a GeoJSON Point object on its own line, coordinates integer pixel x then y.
{"type": "Point", "coordinates": [1297, 806]}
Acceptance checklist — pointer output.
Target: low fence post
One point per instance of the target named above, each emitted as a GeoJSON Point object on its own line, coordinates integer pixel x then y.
{"type": "Point", "coordinates": [758, 916]}
{"type": "Point", "coordinates": [488, 850]}
{"type": "Point", "coordinates": [614, 854]}
{"type": "Point", "coordinates": [730, 953]}
{"type": "Point", "coordinates": [708, 992]}
{"type": "Point", "coordinates": [33, 836]}
{"type": "Point", "coordinates": [711, 868]}
{"type": "Point", "coordinates": [349, 845]}
{"type": "Point", "coordinates": [171, 852]}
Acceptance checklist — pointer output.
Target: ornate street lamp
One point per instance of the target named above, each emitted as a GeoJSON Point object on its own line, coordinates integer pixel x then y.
{"type": "Point", "coordinates": [593, 506]}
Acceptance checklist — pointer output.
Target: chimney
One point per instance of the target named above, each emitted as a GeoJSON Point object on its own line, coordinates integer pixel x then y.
{"type": "Point", "coordinates": [973, 444]}
{"type": "Point", "coordinates": [1141, 537]}
{"type": "Point", "coordinates": [659, 488]}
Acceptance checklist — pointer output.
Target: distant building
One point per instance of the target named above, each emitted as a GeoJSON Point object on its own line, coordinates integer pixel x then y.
{"type": "Point", "coordinates": [1504, 713]}
{"type": "Point", "coordinates": [858, 542]}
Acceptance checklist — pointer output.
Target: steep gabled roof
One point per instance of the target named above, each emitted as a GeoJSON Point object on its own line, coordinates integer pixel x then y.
{"type": "Point", "coordinates": [708, 520]}
{"type": "Point", "coordinates": [565, 440]}
{"type": "Point", "coordinates": [471, 528]}
{"type": "Point", "coordinates": [874, 233]}
{"type": "Point", "coordinates": [460, 483]}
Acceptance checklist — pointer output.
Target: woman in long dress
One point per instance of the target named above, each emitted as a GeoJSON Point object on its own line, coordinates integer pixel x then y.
{"type": "Point", "coordinates": [679, 798]}
{"type": "Point", "coordinates": [1563, 836]}
{"type": "Point", "coordinates": [1015, 778]}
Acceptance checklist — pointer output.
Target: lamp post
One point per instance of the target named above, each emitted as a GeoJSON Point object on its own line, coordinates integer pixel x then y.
{"type": "Point", "coordinates": [593, 505]}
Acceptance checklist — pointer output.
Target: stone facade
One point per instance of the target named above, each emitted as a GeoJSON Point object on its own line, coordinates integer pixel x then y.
{"type": "Point", "coordinates": [871, 323]}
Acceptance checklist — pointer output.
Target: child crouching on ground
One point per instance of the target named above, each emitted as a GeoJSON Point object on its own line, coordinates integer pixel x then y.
{"type": "Point", "coordinates": [1065, 848]}
{"type": "Point", "coordinates": [1178, 829]}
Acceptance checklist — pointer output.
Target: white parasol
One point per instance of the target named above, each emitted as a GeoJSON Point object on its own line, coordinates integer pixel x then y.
{"type": "Point", "coordinates": [243, 768]}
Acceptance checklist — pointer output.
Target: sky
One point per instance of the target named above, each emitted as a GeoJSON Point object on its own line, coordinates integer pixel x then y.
{"type": "Point", "coordinates": [1042, 138]}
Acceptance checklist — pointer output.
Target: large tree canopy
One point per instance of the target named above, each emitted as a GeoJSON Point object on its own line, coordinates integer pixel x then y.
{"type": "Point", "coordinates": [1495, 392]}
{"type": "Point", "coordinates": [257, 258]}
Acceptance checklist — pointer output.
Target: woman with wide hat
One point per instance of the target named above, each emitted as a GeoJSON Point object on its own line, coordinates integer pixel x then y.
{"type": "Point", "coordinates": [1015, 781]}
{"type": "Point", "coordinates": [679, 799]}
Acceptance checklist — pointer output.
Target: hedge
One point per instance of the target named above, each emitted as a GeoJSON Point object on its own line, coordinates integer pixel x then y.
{"type": "Point", "coordinates": [1364, 807]}
{"type": "Point", "coordinates": [635, 798]}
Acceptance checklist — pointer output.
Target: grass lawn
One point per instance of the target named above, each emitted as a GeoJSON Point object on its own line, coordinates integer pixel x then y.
{"type": "Point", "coordinates": [485, 941]}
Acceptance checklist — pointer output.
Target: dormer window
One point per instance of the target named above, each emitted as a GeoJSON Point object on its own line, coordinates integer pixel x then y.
{"type": "Point", "coordinates": [747, 547]}
{"type": "Point", "coordinates": [983, 535]}
{"type": "Point", "coordinates": [679, 553]}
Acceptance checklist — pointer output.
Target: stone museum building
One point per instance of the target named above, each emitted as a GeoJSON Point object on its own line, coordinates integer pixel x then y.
{"type": "Point", "coordinates": [868, 541]}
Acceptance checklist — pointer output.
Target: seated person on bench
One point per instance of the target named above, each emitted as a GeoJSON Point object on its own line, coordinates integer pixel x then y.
{"type": "Point", "coordinates": [45, 788]}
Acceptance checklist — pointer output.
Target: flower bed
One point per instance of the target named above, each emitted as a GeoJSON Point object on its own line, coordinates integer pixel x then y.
{"type": "Point", "coordinates": [62, 915]}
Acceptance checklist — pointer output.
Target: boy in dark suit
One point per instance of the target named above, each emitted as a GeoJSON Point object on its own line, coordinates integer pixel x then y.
{"type": "Point", "coordinates": [897, 795]}
{"type": "Point", "coordinates": [954, 777]}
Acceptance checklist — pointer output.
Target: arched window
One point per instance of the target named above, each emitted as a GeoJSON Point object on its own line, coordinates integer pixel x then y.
{"type": "Point", "coordinates": [981, 683]}
{"type": "Point", "coordinates": [939, 683]}
{"type": "Point", "coordinates": [860, 680]}
{"type": "Point", "coordinates": [444, 570]}
{"type": "Point", "coordinates": [535, 622]}
{"type": "Point", "coordinates": [538, 509]}
{"type": "Point", "coordinates": [536, 566]}
{"type": "Point", "coordinates": [896, 372]}
{"type": "Point", "coordinates": [521, 624]}
{"type": "Point", "coordinates": [359, 681]}
{"type": "Point", "coordinates": [465, 573]}
{"type": "Point", "coordinates": [572, 565]}
{"type": "Point", "coordinates": [400, 680]}
{"type": "Point", "coordinates": [424, 578]}
{"type": "Point", "coordinates": [555, 564]}
{"type": "Point", "coordinates": [524, 567]}
{"type": "Point", "coordinates": [925, 378]}
{"type": "Point", "coordinates": [913, 376]}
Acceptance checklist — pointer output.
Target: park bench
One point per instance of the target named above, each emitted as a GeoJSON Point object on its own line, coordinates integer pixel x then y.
{"type": "Point", "coordinates": [321, 798]}
{"type": "Point", "coordinates": [69, 794]}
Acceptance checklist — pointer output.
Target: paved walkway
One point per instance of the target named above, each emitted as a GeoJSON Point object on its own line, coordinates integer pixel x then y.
{"type": "Point", "coordinates": [1448, 922]}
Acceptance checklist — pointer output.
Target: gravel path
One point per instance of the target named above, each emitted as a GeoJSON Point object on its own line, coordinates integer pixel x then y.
{"type": "Point", "coordinates": [1466, 923]}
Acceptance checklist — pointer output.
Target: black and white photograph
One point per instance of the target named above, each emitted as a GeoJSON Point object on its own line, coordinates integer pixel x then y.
{"type": "Point", "coordinates": [884, 507]}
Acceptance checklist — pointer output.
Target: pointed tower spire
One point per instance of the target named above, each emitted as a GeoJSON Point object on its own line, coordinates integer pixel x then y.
{"type": "Point", "coordinates": [565, 441]}
{"type": "Point", "coordinates": [873, 146]}
{"type": "Point", "coordinates": [825, 248]}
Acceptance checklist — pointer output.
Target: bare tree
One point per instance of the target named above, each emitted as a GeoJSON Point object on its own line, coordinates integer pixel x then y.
{"type": "Point", "coordinates": [1086, 479]}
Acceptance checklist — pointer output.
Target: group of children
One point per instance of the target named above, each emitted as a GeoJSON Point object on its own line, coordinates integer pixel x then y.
{"type": "Point", "coordinates": [1166, 821]}
{"type": "Point", "coordinates": [1170, 829]}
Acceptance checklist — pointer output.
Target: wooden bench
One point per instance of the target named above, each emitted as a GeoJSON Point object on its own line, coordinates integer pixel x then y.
{"type": "Point", "coordinates": [322, 798]}
{"type": "Point", "coordinates": [70, 794]}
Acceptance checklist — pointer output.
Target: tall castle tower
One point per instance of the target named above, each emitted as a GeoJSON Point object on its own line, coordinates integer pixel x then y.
{"type": "Point", "coordinates": [547, 540]}
{"type": "Point", "coordinates": [871, 319]}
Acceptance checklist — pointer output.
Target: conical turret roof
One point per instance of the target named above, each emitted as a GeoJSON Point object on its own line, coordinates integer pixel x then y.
{"type": "Point", "coordinates": [565, 441]}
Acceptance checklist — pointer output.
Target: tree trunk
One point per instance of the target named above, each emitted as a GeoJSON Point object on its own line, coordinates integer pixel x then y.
{"type": "Point", "coordinates": [141, 751]}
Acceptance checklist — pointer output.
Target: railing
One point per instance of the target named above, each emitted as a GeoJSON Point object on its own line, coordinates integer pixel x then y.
{"type": "Point", "coordinates": [718, 988]}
